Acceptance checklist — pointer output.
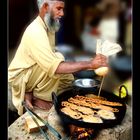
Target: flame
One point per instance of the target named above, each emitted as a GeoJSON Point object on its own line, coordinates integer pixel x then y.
{"type": "Point", "coordinates": [81, 133]}
{"type": "Point", "coordinates": [85, 134]}
{"type": "Point", "coordinates": [80, 129]}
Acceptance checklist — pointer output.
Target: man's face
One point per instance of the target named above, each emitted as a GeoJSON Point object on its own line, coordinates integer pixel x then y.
{"type": "Point", "coordinates": [53, 16]}
{"type": "Point", "coordinates": [57, 10]}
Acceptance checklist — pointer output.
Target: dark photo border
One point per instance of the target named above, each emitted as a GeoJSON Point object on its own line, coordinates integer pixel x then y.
{"type": "Point", "coordinates": [3, 71]}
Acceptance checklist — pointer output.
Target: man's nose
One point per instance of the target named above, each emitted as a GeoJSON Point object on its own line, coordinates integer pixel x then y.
{"type": "Point", "coordinates": [61, 13]}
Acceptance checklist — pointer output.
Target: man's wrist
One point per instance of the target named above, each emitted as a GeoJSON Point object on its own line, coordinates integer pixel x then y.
{"type": "Point", "coordinates": [89, 65]}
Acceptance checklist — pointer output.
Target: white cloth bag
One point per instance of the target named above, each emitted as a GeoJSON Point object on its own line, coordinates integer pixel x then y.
{"type": "Point", "coordinates": [107, 48]}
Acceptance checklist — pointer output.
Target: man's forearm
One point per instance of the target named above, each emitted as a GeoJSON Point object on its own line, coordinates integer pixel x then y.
{"type": "Point", "coordinates": [71, 67]}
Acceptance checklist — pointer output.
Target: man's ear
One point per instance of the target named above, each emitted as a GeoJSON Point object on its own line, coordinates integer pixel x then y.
{"type": "Point", "coordinates": [45, 7]}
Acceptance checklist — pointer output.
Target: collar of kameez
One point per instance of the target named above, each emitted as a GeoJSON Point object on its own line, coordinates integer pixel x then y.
{"type": "Point", "coordinates": [44, 24]}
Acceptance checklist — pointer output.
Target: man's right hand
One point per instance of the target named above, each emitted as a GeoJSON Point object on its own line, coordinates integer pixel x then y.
{"type": "Point", "coordinates": [99, 61]}
{"type": "Point", "coordinates": [28, 100]}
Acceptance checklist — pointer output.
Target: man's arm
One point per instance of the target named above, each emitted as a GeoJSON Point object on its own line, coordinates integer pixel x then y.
{"type": "Point", "coordinates": [71, 67]}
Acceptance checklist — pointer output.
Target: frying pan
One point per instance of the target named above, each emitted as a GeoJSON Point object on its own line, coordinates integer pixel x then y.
{"type": "Point", "coordinates": [66, 120]}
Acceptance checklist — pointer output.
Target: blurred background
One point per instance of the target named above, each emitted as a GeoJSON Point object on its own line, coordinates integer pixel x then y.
{"type": "Point", "coordinates": [80, 26]}
{"type": "Point", "coordinates": [83, 23]}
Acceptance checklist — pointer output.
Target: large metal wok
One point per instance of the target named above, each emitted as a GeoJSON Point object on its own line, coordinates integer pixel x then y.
{"type": "Point", "coordinates": [106, 123]}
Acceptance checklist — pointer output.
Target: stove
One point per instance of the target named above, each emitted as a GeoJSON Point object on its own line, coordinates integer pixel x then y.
{"type": "Point", "coordinates": [79, 133]}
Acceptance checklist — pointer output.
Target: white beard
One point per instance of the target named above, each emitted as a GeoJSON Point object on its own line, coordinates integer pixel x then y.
{"type": "Point", "coordinates": [53, 24]}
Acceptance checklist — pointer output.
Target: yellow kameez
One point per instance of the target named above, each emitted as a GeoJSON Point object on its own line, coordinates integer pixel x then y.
{"type": "Point", "coordinates": [34, 65]}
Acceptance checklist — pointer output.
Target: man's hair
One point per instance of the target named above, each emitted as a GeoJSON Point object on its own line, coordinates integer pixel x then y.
{"type": "Point", "coordinates": [41, 2]}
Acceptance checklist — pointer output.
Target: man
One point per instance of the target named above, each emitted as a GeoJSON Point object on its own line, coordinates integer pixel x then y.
{"type": "Point", "coordinates": [37, 70]}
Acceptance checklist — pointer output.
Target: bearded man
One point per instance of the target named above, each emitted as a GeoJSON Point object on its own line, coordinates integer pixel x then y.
{"type": "Point", "coordinates": [37, 69]}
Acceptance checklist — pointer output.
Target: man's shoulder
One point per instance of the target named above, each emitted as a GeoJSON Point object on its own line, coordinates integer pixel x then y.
{"type": "Point", "coordinates": [33, 25]}
{"type": "Point", "coordinates": [34, 28]}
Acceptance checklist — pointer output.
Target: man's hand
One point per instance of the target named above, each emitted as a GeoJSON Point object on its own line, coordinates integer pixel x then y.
{"type": "Point", "coordinates": [99, 61]}
{"type": "Point", "coordinates": [28, 100]}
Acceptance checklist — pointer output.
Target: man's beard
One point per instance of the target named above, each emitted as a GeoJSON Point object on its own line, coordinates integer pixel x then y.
{"type": "Point", "coordinates": [53, 24]}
